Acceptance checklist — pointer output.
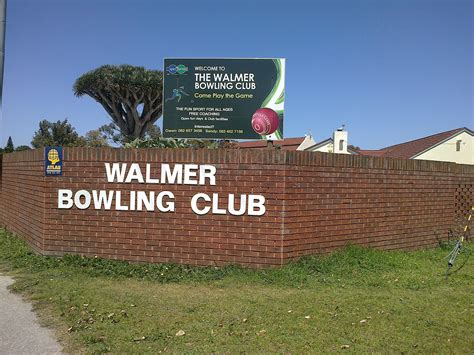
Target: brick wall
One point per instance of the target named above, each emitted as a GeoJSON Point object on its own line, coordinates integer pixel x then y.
{"type": "Point", "coordinates": [315, 202]}
{"type": "Point", "coordinates": [22, 196]}
{"type": "Point", "coordinates": [332, 200]}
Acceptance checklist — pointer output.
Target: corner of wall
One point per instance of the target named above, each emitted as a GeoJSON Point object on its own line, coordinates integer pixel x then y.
{"type": "Point", "coordinates": [1, 197]}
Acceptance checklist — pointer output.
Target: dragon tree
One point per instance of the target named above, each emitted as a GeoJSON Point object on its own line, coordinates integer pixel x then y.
{"type": "Point", "coordinates": [132, 96]}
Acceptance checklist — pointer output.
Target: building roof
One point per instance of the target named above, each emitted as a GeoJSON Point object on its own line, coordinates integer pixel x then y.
{"type": "Point", "coordinates": [415, 147]}
{"type": "Point", "coordinates": [285, 144]}
{"type": "Point", "coordinates": [372, 153]}
{"type": "Point", "coordinates": [329, 141]}
{"type": "Point", "coordinates": [320, 144]}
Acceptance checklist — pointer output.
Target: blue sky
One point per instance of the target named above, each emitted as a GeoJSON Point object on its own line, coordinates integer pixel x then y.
{"type": "Point", "coordinates": [391, 70]}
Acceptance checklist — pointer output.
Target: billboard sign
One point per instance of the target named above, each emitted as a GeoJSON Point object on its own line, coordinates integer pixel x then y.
{"type": "Point", "coordinates": [223, 98]}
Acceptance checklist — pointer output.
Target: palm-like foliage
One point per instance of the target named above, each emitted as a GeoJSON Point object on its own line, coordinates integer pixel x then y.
{"type": "Point", "coordinates": [132, 96]}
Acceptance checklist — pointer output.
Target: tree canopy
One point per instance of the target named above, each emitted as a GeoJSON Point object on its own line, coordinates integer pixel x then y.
{"type": "Point", "coordinates": [9, 147]}
{"type": "Point", "coordinates": [21, 148]}
{"type": "Point", "coordinates": [132, 96]}
{"type": "Point", "coordinates": [111, 135]}
{"type": "Point", "coordinates": [60, 133]}
{"type": "Point", "coordinates": [96, 138]}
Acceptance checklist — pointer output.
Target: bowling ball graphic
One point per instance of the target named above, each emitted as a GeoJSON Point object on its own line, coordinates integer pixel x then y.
{"type": "Point", "coordinates": [265, 121]}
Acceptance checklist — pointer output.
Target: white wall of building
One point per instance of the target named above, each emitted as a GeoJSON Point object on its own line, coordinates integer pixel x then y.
{"type": "Point", "coordinates": [340, 141]}
{"type": "Point", "coordinates": [307, 142]}
{"type": "Point", "coordinates": [326, 148]}
{"type": "Point", "coordinates": [446, 151]}
{"type": "Point", "coordinates": [337, 144]}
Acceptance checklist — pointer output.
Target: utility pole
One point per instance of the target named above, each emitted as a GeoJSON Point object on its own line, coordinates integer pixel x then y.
{"type": "Point", "coordinates": [3, 17]}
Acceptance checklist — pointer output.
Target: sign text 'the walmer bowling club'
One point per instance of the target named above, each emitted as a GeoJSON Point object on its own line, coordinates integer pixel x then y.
{"type": "Point", "coordinates": [163, 201]}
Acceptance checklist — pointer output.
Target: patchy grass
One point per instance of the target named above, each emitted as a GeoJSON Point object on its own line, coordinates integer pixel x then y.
{"type": "Point", "coordinates": [360, 300]}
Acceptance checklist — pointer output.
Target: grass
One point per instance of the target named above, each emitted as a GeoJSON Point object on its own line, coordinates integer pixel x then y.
{"type": "Point", "coordinates": [357, 300]}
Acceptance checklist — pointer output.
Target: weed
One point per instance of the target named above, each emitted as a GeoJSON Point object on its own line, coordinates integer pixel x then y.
{"type": "Point", "coordinates": [359, 299]}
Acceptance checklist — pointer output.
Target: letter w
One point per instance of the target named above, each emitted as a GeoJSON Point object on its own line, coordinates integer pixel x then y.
{"type": "Point", "coordinates": [117, 172]}
{"type": "Point", "coordinates": [100, 197]}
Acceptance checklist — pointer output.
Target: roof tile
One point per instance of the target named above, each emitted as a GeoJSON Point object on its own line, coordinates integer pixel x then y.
{"type": "Point", "coordinates": [409, 149]}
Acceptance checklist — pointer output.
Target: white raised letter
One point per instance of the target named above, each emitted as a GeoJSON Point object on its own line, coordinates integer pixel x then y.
{"type": "Point", "coordinates": [148, 178]}
{"type": "Point", "coordinates": [64, 199]}
{"type": "Point", "coordinates": [117, 172]}
{"type": "Point", "coordinates": [188, 174]}
{"type": "Point", "coordinates": [256, 201]}
{"type": "Point", "coordinates": [215, 205]}
{"type": "Point", "coordinates": [144, 199]}
{"type": "Point", "coordinates": [133, 201]}
{"type": "Point", "coordinates": [194, 206]}
{"type": "Point", "coordinates": [87, 199]}
{"type": "Point", "coordinates": [118, 202]}
{"type": "Point", "coordinates": [169, 205]}
{"type": "Point", "coordinates": [101, 197]}
{"type": "Point", "coordinates": [134, 174]}
{"type": "Point", "coordinates": [170, 178]}
{"type": "Point", "coordinates": [207, 171]}
{"type": "Point", "coordinates": [243, 205]}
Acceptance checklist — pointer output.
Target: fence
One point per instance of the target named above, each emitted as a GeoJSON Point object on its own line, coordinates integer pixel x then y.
{"type": "Point", "coordinates": [314, 203]}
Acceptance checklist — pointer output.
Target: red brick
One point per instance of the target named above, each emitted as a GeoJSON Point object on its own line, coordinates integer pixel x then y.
{"type": "Point", "coordinates": [316, 202]}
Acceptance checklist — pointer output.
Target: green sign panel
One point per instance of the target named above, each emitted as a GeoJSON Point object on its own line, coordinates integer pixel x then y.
{"type": "Point", "coordinates": [223, 98]}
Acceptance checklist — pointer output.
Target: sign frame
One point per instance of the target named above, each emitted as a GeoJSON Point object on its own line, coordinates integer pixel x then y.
{"type": "Point", "coordinates": [239, 119]}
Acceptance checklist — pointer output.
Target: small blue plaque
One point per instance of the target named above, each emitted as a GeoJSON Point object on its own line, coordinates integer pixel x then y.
{"type": "Point", "coordinates": [53, 161]}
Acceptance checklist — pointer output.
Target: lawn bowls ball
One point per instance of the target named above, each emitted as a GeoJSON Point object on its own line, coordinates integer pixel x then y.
{"type": "Point", "coordinates": [265, 121]}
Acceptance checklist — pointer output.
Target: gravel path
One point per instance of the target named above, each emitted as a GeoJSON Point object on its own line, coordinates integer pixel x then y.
{"type": "Point", "coordinates": [20, 332]}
